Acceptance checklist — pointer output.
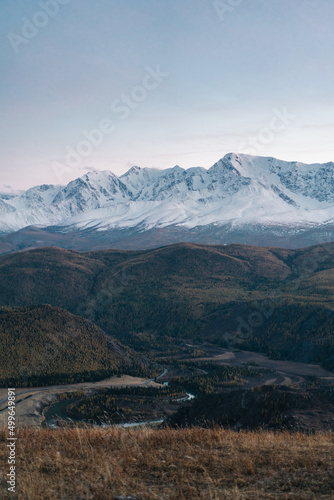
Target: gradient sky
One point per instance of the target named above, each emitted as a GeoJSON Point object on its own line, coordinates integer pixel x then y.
{"type": "Point", "coordinates": [228, 76]}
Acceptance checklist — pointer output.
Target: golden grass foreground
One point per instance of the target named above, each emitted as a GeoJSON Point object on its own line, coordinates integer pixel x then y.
{"type": "Point", "coordinates": [217, 464]}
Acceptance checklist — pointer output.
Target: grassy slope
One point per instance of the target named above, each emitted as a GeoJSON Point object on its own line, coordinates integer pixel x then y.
{"type": "Point", "coordinates": [46, 345]}
{"type": "Point", "coordinates": [185, 290]}
{"type": "Point", "coordinates": [170, 464]}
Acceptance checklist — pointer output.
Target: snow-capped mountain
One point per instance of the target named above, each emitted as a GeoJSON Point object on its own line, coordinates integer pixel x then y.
{"type": "Point", "coordinates": [239, 191]}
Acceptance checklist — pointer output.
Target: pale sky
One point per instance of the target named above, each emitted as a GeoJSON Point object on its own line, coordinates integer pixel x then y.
{"type": "Point", "coordinates": [168, 82]}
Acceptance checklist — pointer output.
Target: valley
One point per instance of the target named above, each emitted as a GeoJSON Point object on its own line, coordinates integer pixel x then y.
{"type": "Point", "coordinates": [187, 371]}
{"type": "Point", "coordinates": [183, 348]}
{"type": "Point", "coordinates": [246, 330]}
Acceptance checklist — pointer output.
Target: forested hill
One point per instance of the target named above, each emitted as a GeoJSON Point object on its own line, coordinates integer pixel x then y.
{"type": "Point", "coordinates": [43, 345]}
{"type": "Point", "coordinates": [266, 299]}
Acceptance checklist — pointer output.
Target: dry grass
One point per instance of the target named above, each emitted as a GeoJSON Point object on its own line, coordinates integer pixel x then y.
{"type": "Point", "coordinates": [170, 464]}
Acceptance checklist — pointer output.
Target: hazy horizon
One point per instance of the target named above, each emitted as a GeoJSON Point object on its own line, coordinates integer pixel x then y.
{"type": "Point", "coordinates": [109, 85]}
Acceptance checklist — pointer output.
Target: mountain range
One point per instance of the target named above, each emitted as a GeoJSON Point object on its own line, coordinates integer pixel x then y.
{"type": "Point", "coordinates": [240, 199]}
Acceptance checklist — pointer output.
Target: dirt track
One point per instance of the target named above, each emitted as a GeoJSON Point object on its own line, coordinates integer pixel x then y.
{"type": "Point", "coordinates": [31, 401]}
{"type": "Point", "coordinates": [286, 373]}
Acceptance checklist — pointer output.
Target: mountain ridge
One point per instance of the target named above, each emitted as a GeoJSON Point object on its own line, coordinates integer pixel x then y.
{"type": "Point", "coordinates": [240, 196]}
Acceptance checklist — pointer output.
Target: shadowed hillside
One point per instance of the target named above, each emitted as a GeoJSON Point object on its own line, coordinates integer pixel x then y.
{"type": "Point", "coordinates": [43, 345]}
{"type": "Point", "coordinates": [267, 299]}
{"type": "Point", "coordinates": [308, 408]}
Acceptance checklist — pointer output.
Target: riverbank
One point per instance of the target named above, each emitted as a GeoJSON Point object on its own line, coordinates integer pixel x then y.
{"type": "Point", "coordinates": [31, 401]}
{"type": "Point", "coordinates": [58, 413]}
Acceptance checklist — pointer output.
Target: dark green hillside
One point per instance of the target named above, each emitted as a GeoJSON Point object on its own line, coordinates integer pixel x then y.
{"type": "Point", "coordinates": [155, 298]}
{"type": "Point", "coordinates": [44, 345]}
{"type": "Point", "coordinates": [265, 407]}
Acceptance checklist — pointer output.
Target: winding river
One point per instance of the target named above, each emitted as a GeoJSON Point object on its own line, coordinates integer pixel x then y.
{"type": "Point", "coordinates": [57, 411]}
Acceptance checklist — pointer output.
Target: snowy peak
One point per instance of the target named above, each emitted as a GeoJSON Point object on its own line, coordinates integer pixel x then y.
{"type": "Point", "coordinates": [237, 189]}
{"type": "Point", "coordinates": [133, 170]}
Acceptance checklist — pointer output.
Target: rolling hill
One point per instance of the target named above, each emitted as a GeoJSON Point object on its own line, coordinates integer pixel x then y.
{"type": "Point", "coordinates": [272, 300]}
{"type": "Point", "coordinates": [44, 345]}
